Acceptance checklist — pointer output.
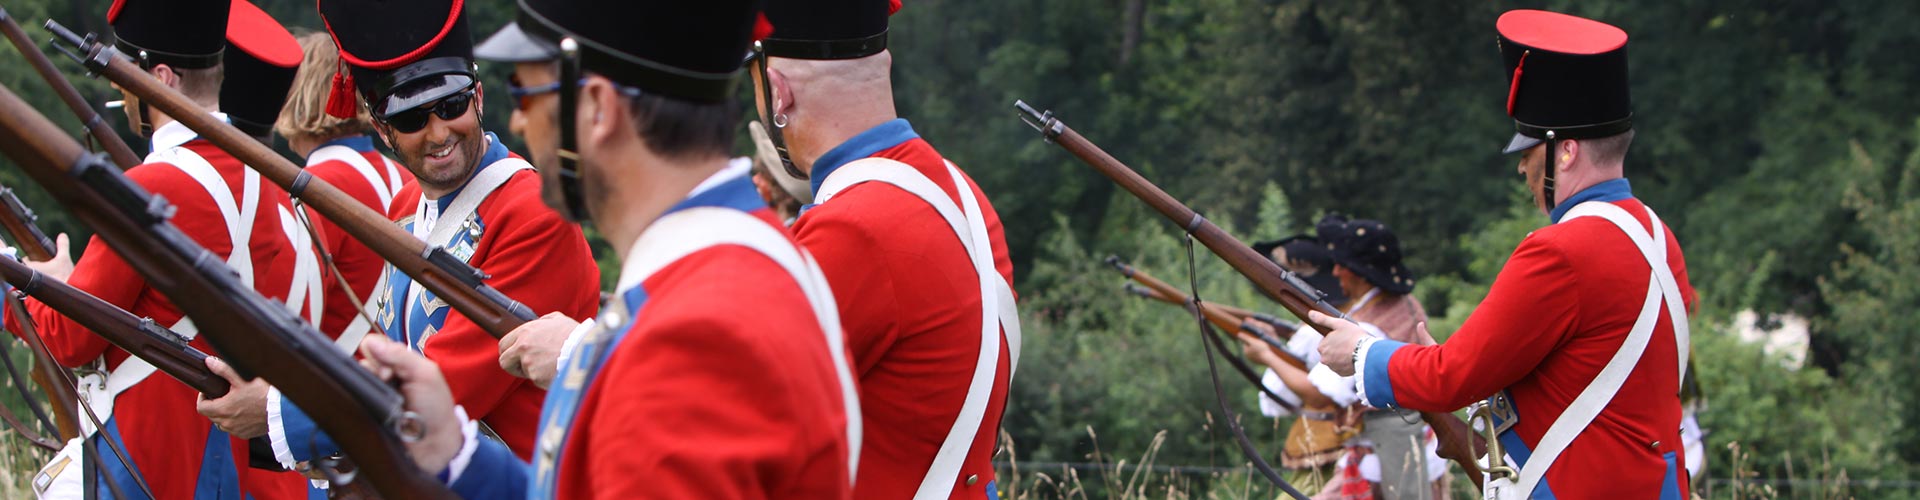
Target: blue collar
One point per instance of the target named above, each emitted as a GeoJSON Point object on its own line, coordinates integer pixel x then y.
{"type": "Point", "coordinates": [737, 193]}
{"type": "Point", "coordinates": [496, 151]}
{"type": "Point", "coordinates": [1609, 191]}
{"type": "Point", "coordinates": [880, 137]}
{"type": "Point", "coordinates": [361, 143]}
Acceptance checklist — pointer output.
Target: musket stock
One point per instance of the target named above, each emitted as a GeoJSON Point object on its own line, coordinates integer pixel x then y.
{"type": "Point", "coordinates": [450, 279]}
{"type": "Point", "coordinates": [1457, 442]}
{"type": "Point", "coordinates": [362, 412]}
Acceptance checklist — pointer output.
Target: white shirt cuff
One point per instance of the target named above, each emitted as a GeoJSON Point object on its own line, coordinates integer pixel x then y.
{"type": "Point", "coordinates": [1360, 368]}
{"type": "Point", "coordinates": [469, 441]}
{"type": "Point", "coordinates": [1305, 344]}
{"type": "Point", "coordinates": [277, 430]}
{"type": "Point", "coordinates": [573, 339]}
{"type": "Point", "coordinates": [1341, 390]}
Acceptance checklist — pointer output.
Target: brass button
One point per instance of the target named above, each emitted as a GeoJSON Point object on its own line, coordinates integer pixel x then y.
{"type": "Point", "coordinates": [972, 478]}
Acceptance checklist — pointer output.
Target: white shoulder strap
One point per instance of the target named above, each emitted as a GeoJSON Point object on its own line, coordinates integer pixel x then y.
{"type": "Point", "coordinates": [684, 232]}
{"type": "Point", "coordinates": [996, 300]}
{"type": "Point", "coordinates": [476, 191]}
{"type": "Point", "coordinates": [1661, 290]}
{"type": "Point", "coordinates": [306, 288]}
{"type": "Point", "coordinates": [383, 187]}
{"type": "Point", "coordinates": [239, 213]}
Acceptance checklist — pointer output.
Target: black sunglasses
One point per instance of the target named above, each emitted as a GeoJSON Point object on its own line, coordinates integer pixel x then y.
{"type": "Point", "coordinates": [447, 108]}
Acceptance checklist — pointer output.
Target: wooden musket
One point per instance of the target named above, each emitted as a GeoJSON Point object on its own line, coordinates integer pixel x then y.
{"type": "Point", "coordinates": [449, 278]}
{"type": "Point", "coordinates": [18, 222]}
{"type": "Point", "coordinates": [259, 337]}
{"type": "Point", "coordinates": [1217, 314]}
{"type": "Point", "coordinates": [1457, 441]}
{"type": "Point", "coordinates": [141, 337]}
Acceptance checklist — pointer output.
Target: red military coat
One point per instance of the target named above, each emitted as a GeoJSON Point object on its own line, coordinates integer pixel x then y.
{"type": "Point", "coordinates": [359, 265]}
{"type": "Point", "coordinates": [910, 304]}
{"type": "Point", "coordinates": [1556, 314]}
{"type": "Point", "coordinates": [166, 438]}
{"type": "Point", "coordinates": [710, 378]}
{"type": "Point", "coordinates": [533, 256]}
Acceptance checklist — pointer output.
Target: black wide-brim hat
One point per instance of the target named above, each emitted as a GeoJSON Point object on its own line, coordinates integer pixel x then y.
{"type": "Point", "coordinates": [1566, 77]}
{"type": "Point", "coordinates": [827, 29]}
{"type": "Point", "coordinates": [1309, 259]}
{"type": "Point", "coordinates": [1370, 250]}
{"type": "Point", "coordinates": [401, 54]}
{"type": "Point", "coordinates": [185, 34]}
{"type": "Point", "coordinates": [685, 50]}
{"type": "Point", "coordinates": [261, 61]}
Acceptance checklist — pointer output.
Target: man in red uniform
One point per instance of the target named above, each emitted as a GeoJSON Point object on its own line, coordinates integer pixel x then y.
{"type": "Point", "coordinates": [720, 370]}
{"type": "Point", "coordinates": [913, 248]}
{"type": "Point", "coordinates": [340, 151]}
{"type": "Point", "coordinates": [412, 66]}
{"type": "Point", "coordinates": [1584, 333]}
{"type": "Point", "coordinates": [223, 206]}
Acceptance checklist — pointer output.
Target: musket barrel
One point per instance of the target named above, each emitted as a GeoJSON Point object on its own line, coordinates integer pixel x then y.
{"type": "Point", "coordinates": [492, 311]}
{"type": "Point", "coordinates": [124, 330]}
{"type": "Point", "coordinates": [96, 127]}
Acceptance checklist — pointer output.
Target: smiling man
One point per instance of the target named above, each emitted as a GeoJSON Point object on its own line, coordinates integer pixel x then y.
{"type": "Point", "coordinates": [412, 67]}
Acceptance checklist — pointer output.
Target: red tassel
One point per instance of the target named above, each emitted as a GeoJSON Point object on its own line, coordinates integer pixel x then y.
{"type": "Point", "coordinates": [761, 27]}
{"type": "Point", "coordinates": [340, 101]}
{"type": "Point", "coordinates": [1513, 89]}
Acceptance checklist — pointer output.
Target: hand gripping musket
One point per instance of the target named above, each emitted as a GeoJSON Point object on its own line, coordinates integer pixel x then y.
{"type": "Point", "coordinates": [1457, 441]}
{"type": "Point", "coordinates": [1221, 316]}
{"type": "Point", "coordinates": [96, 127]}
{"type": "Point", "coordinates": [449, 278]}
{"type": "Point", "coordinates": [364, 413]}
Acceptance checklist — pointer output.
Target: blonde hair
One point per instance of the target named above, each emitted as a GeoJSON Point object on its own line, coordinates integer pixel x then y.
{"type": "Point", "coordinates": [305, 113]}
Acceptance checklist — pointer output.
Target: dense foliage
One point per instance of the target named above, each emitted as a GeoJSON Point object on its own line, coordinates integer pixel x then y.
{"type": "Point", "coordinates": [1779, 139]}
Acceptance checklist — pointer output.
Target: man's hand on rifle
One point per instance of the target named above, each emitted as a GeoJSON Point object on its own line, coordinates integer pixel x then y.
{"type": "Point", "coordinates": [59, 267]}
{"type": "Point", "coordinates": [1336, 350]}
{"type": "Point", "coordinates": [532, 351]}
{"type": "Point", "coordinates": [427, 395]}
{"type": "Point", "coordinates": [242, 413]}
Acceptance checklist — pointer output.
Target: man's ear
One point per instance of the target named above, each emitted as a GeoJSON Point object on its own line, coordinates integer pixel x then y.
{"type": "Point", "coordinates": [479, 99]}
{"type": "Point", "coordinates": [782, 92]}
{"type": "Point", "coordinates": [601, 109]}
{"type": "Point", "coordinates": [165, 75]}
{"type": "Point", "coordinates": [1569, 152]}
{"type": "Point", "coordinates": [382, 131]}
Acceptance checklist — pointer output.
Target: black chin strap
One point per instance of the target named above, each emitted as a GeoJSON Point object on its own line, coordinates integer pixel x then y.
{"type": "Point", "coordinates": [571, 193]}
{"type": "Point", "coordinates": [1553, 144]}
{"type": "Point", "coordinates": [775, 134]}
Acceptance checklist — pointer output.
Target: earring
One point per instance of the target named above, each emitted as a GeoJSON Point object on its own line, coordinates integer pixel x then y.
{"type": "Point", "coordinates": [1566, 158]}
{"type": "Point", "coordinates": [780, 120]}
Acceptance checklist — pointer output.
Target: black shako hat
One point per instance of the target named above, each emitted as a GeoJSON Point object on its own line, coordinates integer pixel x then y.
{"type": "Point", "coordinates": [1370, 250]}
{"type": "Point", "coordinates": [684, 50]}
{"type": "Point", "coordinates": [1307, 258]}
{"type": "Point", "coordinates": [399, 54]}
{"type": "Point", "coordinates": [262, 59]}
{"type": "Point", "coordinates": [827, 29]}
{"type": "Point", "coordinates": [185, 34]}
{"type": "Point", "coordinates": [1567, 77]}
